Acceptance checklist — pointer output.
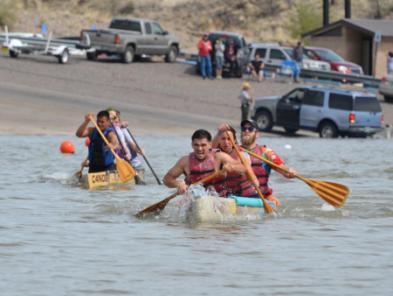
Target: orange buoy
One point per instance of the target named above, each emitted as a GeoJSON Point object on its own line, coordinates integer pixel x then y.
{"type": "Point", "coordinates": [67, 147]}
{"type": "Point", "coordinates": [87, 142]}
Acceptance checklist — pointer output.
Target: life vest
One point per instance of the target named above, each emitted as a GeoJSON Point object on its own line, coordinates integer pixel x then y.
{"type": "Point", "coordinates": [100, 156]}
{"type": "Point", "coordinates": [201, 169]}
{"type": "Point", "coordinates": [239, 184]}
{"type": "Point", "coordinates": [261, 170]}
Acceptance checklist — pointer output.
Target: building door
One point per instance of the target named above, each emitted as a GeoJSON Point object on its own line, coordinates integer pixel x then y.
{"type": "Point", "coordinates": [367, 55]}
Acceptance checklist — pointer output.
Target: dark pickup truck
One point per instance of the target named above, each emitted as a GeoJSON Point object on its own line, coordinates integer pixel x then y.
{"type": "Point", "coordinates": [130, 38]}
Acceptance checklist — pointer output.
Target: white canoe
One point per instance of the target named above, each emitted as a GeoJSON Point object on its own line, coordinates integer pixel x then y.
{"type": "Point", "coordinates": [211, 209]}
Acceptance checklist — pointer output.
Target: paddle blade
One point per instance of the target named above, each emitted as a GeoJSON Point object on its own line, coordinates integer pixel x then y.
{"type": "Point", "coordinates": [125, 170]}
{"type": "Point", "coordinates": [333, 193]}
{"type": "Point", "coordinates": [156, 208]}
{"type": "Point", "coordinates": [268, 208]}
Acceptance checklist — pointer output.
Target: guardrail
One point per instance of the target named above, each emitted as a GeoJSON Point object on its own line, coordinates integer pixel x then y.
{"type": "Point", "coordinates": [366, 80]}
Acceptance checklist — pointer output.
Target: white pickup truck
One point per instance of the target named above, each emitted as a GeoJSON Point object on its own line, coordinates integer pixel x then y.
{"type": "Point", "coordinates": [130, 38]}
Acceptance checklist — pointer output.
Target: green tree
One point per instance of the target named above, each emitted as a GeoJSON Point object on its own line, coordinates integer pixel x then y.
{"type": "Point", "coordinates": [303, 19]}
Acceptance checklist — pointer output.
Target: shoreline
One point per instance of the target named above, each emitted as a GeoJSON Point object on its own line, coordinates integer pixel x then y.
{"type": "Point", "coordinates": [40, 97]}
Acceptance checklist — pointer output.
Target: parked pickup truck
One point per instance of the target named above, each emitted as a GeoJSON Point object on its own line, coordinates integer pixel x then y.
{"type": "Point", "coordinates": [130, 38]}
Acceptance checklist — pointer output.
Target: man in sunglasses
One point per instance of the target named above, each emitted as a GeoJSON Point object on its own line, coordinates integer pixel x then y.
{"type": "Point", "coordinates": [201, 163]}
{"type": "Point", "coordinates": [128, 149]}
{"type": "Point", "coordinates": [262, 170]}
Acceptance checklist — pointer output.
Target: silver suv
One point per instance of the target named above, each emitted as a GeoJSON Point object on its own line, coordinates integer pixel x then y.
{"type": "Point", "coordinates": [274, 54]}
{"type": "Point", "coordinates": [328, 111]}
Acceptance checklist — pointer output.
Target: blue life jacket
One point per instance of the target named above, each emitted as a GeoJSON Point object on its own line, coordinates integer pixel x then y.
{"type": "Point", "coordinates": [100, 156]}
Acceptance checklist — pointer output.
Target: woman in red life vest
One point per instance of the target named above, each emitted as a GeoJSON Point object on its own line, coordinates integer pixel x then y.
{"type": "Point", "coordinates": [235, 183]}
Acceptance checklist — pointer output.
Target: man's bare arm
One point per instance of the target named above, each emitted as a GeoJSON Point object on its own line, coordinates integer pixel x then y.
{"type": "Point", "coordinates": [170, 179]}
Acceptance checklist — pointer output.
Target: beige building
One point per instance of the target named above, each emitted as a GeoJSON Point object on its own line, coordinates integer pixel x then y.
{"type": "Point", "coordinates": [363, 42]}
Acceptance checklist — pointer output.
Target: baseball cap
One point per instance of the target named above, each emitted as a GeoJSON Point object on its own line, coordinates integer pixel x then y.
{"type": "Point", "coordinates": [246, 85]}
{"type": "Point", "coordinates": [248, 122]}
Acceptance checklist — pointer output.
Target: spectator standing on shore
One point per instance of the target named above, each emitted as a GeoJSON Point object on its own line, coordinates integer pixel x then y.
{"type": "Point", "coordinates": [298, 57]}
{"type": "Point", "coordinates": [389, 62]}
{"type": "Point", "coordinates": [219, 48]}
{"type": "Point", "coordinates": [256, 68]}
{"type": "Point", "coordinates": [204, 51]}
{"type": "Point", "coordinates": [230, 55]}
{"type": "Point", "coordinates": [247, 99]}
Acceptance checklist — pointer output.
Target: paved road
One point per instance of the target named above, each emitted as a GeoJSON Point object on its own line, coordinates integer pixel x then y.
{"type": "Point", "coordinates": [37, 95]}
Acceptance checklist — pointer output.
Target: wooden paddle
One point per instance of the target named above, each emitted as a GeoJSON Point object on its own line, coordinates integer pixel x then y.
{"type": "Point", "coordinates": [250, 174]}
{"type": "Point", "coordinates": [333, 193]}
{"type": "Point", "coordinates": [78, 174]}
{"type": "Point", "coordinates": [144, 157]}
{"type": "Point", "coordinates": [125, 170]}
{"type": "Point", "coordinates": [159, 206]}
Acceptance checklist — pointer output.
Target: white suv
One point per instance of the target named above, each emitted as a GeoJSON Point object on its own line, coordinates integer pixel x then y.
{"type": "Point", "coordinates": [273, 54]}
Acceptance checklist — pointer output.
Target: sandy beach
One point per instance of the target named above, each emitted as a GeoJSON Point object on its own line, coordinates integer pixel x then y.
{"type": "Point", "coordinates": [39, 96]}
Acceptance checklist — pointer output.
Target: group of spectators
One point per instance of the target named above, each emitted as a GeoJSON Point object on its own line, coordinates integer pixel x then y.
{"type": "Point", "coordinates": [224, 53]}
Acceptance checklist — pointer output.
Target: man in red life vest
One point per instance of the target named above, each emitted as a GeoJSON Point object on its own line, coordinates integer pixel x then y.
{"type": "Point", "coordinates": [262, 170]}
{"type": "Point", "coordinates": [201, 163]}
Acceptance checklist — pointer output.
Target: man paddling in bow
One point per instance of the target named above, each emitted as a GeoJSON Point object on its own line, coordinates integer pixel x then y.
{"type": "Point", "coordinates": [201, 163]}
{"type": "Point", "coordinates": [100, 156]}
{"type": "Point", "coordinates": [249, 136]}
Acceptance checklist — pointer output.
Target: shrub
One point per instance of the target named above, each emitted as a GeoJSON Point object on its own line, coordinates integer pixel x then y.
{"type": "Point", "coordinates": [127, 8]}
{"type": "Point", "coordinates": [7, 13]}
{"type": "Point", "coordinates": [303, 19]}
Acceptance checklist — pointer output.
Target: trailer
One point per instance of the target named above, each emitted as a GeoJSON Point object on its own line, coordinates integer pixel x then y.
{"type": "Point", "coordinates": [15, 44]}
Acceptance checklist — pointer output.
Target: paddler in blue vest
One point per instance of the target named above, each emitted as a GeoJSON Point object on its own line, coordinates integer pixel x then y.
{"type": "Point", "coordinates": [249, 136]}
{"type": "Point", "coordinates": [201, 163]}
{"type": "Point", "coordinates": [100, 156]}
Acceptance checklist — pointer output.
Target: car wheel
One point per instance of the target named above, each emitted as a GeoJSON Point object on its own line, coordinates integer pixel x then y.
{"type": "Point", "coordinates": [64, 57]}
{"type": "Point", "coordinates": [388, 99]}
{"type": "Point", "coordinates": [172, 55]}
{"type": "Point", "coordinates": [13, 54]}
{"type": "Point", "coordinates": [264, 120]}
{"type": "Point", "coordinates": [91, 56]}
{"type": "Point", "coordinates": [328, 129]}
{"type": "Point", "coordinates": [291, 130]}
{"type": "Point", "coordinates": [128, 56]}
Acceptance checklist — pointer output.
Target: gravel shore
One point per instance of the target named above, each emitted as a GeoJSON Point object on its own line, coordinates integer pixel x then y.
{"type": "Point", "coordinates": [39, 96]}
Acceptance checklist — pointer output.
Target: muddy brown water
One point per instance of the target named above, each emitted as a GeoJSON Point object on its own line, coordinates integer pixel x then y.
{"type": "Point", "coordinates": [57, 238]}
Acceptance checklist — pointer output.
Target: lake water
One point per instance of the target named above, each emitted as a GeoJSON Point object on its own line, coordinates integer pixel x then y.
{"type": "Point", "coordinates": [57, 238]}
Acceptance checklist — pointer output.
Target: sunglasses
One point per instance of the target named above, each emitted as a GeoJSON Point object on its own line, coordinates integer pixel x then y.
{"type": "Point", "coordinates": [248, 129]}
{"type": "Point", "coordinates": [114, 118]}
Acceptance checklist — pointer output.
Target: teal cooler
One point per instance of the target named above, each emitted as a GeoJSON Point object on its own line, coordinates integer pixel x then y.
{"type": "Point", "coordinates": [247, 201]}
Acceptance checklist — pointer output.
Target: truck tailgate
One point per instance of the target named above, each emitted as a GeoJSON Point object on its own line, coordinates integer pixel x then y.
{"type": "Point", "coordinates": [98, 37]}
{"type": "Point", "coordinates": [107, 37]}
